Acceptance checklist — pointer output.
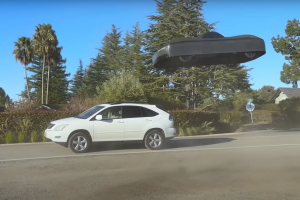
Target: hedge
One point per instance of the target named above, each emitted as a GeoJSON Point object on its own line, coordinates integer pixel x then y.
{"type": "Point", "coordinates": [191, 118]}
{"type": "Point", "coordinates": [29, 126]}
{"type": "Point", "coordinates": [265, 116]}
{"type": "Point", "coordinates": [28, 122]}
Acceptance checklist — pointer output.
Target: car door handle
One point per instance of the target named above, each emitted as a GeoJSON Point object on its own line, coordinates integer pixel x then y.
{"type": "Point", "coordinates": [148, 120]}
{"type": "Point", "coordinates": [121, 121]}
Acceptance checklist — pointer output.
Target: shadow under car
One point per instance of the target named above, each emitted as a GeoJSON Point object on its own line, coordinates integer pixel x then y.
{"type": "Point", "coordinates": [170, 144]}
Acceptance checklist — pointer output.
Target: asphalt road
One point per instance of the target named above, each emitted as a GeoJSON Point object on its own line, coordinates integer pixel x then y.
{"type": "Point", "coordinates": [259, 165]}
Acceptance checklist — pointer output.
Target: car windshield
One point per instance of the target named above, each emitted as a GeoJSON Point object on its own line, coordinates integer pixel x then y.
{"type": "Point", "coordinates": [88, 113]}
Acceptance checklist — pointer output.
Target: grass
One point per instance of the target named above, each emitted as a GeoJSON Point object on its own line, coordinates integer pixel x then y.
{"type": "Point", "coordinates": [34, 136]}
{"type": "Point", "coordinates": [204, 129]}
{"type": "Point", "coordinates": [266, 126]}
{"type": "Point", "coordinates": [21, 137]}
{"type": "Point", "coordinates": [9, 137]}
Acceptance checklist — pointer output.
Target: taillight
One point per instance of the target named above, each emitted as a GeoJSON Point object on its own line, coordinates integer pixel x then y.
{"type": "Point", "coordinates": [170, 117]}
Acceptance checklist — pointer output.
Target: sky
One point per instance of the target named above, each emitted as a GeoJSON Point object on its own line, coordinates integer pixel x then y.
{"type": "Point", "coordinates": [80, 26]}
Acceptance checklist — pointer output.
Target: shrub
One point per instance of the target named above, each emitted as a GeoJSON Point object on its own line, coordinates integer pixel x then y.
{"type": "Point", "coordinates": [166, 103]}
{"type": "Point", "coordinates": [34, 136]}
{"type": "Point", "coordinates": [2, 140]}
{"type": "Point", "coordinates": [232, 120]}
{"type": "Point", "coordinates": [204, 129]}
{"type": "Point", "coordinates": [21, 137]}
{"type": "Point", "coordinates": [191, 118]}
{"type": "Point", "coordinates": [264, 116]}
{"type": "Point", "coordinates": [124, 87]}
{"type": "Point", "coordinates": [44, 138]}
{"type": "Point", "coordinates": [271, 107]}
{"type": "Point", "coordinates": [9, 137]}
{"type": "Point", "coordinates": [289, 109]}
{"type": "Point", "coordinates": [30, 121]}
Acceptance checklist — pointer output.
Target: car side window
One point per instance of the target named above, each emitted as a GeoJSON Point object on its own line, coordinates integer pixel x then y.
{"type": "Point", "coordinates": [131, 112]}
{"type": "Point", "coordinates": [112, 113]}
{"type": "Point", "coordinates": [148, 112]}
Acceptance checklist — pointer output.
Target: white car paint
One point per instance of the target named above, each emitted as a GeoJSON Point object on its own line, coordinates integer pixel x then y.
{"type": "Point", "coordinates": [114, 129]}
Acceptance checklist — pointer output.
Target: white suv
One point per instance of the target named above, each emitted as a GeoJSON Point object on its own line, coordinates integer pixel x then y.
{"type": "Point", "coordinates": [114, 122]}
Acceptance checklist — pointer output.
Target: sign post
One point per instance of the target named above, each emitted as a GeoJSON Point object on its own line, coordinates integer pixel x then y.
{"type": "Point", "coordinates": [250, 107]}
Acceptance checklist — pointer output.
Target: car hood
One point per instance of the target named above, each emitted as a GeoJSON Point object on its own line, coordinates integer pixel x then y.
{"type": "Point", "coordinates": [67, 120]}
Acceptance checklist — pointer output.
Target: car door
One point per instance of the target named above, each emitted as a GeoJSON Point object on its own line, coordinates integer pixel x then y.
{"type": "Point", "coordinates": [136, 121]}
{"type": "Point", "coordinates": [111, 127]}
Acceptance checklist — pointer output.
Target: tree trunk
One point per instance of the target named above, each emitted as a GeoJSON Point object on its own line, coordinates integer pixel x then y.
{"type": "Point", "coordinates": [25, 69]}
{"type": "Point", "coordinates": [48, 84]}
{"type": "Point", "coordinates": [295, 84]}
{"type": "Point", "coordinates": [44, 60]}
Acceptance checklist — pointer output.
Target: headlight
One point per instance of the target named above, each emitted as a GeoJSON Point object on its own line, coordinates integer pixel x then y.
{"type": "Point", "coordinates": [60, 127]}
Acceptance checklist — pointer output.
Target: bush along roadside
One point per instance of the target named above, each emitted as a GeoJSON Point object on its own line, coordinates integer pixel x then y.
{"type": "Point", "coordinates": [28, 126]}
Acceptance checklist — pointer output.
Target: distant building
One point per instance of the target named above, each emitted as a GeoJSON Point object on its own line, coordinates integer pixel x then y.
{"type": "Point", "coordinates": [285, 93]}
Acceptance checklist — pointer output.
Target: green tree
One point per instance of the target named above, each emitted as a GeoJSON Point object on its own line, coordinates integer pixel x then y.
{"type": "Point", "coordinates": [4, 98]}
{"type": "Point", "coordinates": [96, 75]}
{"type": "Point", "coordinates": [109, 62]}
{"type": "Point", "coordinates": [290, 73]}
{"type": "Point", "coordinates": [265, 93]}
{"type": "Point", "coordinates": [289, 46]}
{"type": "Point", "coordinates": [43, 40]}
{"type": "Point", "coordinates": [240, 100]}
{"type": "Point", "coordinates": [122, 87]}
{"type": "Point", "coordinates": [58, 84]}
{"type": "Point", "coordinates": [111, 52]}
{"type": "Point", "coordinates": [24, 53]}
{"type": "Point", "coordinates": [77, 79]}
{"type": "Point", "coordinates": [134, 57]}
{"type": "Point", "coordinates": [184, 19]}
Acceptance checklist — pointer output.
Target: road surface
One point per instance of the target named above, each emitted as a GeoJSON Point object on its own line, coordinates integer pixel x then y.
{"type": "Point", "coordinates": [258, 165]}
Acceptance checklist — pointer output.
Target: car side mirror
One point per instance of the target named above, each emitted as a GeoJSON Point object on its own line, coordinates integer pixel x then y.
{"type": "Point", "coordinates": [99, 117]}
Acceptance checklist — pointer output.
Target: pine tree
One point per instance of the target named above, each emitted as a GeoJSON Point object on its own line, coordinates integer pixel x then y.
{"type": "Point", "coordinates": [58, 83]}
{"type": "Point", "coordinates": [109, 62]}
{"type": "Point", "coordinates": [289, 46]}
{"type": "Point", "coordinates": [184, 19]}
{"type": "Point", "coordinates": [77, 80]}
{"type": "Point", "coordinates": [110, 54]}
{"type": "Point", "coordinates": [4, 98]}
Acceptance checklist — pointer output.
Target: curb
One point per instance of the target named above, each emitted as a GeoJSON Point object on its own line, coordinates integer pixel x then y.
{"type": "Point", "coordinates": [24, 144]}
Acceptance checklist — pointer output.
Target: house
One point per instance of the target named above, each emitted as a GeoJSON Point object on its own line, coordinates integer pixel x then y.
{"type": "Point", "coordinates": [285, 93]}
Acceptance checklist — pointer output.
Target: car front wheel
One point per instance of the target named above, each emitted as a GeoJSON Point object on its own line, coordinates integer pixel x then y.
{"type": "Point", "coordinates": [80, 143]}
{"type": "Point", "coordinates": [154, 140]}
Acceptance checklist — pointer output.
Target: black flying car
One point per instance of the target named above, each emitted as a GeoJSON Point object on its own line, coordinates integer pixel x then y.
{"type": "Point", "coordinates": [209, 48]}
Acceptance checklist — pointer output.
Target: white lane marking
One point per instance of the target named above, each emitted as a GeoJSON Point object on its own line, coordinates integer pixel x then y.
{"type": "Point", "coordinates": [144, 152]}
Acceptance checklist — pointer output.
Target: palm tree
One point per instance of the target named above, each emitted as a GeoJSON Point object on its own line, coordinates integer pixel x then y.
{"type": "Point", "coordinates": [24, 53]}
{"type": "Point", "coordinates": [43, 39]}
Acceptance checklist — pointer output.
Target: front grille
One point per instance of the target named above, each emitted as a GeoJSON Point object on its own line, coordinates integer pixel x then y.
{"type": "Point", "coordinates": [50, 126]}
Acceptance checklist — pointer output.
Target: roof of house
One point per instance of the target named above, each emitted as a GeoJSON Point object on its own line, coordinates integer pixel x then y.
{"type": "Point", "coordinates": [289, 92]}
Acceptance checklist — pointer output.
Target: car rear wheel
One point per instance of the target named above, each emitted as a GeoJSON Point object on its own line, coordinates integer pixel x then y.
{"type": "Point", "coordinates": [80, 143]}
{"type": "Point", "coordinates": [154, 140]}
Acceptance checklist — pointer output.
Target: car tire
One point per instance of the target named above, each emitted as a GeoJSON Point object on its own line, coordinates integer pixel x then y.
{"type": "Point", "coordinates": [154, 140]}
{"type": "Point", "coordinates": [80, 143]}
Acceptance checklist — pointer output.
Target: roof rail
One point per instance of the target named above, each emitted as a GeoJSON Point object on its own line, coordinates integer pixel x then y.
{"type": "Point", "coordinates": [126, 102]}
